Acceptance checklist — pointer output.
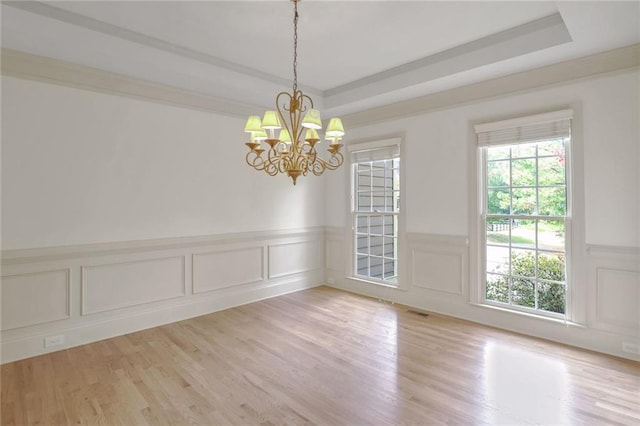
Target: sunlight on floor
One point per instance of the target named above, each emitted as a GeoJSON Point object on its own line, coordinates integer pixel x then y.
{"type": "Point", "coordinates": [524, 387]}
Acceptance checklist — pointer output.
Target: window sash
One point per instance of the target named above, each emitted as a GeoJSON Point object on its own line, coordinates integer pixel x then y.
{"type": "Point", "coordinates": [375, 193]}
{"type": "Point", "coordinates": [515, 137]}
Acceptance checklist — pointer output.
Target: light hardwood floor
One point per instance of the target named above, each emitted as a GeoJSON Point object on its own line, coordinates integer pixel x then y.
{"type": "Point", "coordinates": [321, 356]}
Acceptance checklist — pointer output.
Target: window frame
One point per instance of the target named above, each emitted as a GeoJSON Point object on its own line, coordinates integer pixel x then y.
{"type": "Point", "coordinates": [353, 148]}
{"type": "Point", "coordinates": [479, 220]}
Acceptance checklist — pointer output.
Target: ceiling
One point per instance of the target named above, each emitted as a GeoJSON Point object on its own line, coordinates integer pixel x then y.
{"type": "Point", "coordinates": [352, 55]}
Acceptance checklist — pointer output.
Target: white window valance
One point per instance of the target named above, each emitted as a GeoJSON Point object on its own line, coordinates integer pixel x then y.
{"type": "Point", "coordinates": [528, 129]}
{"type": "Point", "coordinates": [374, 151]}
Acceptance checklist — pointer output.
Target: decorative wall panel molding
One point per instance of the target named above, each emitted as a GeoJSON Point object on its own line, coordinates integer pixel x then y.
{"type": "Point", "coordinates": [614, 289]}
{"type": "Point", "coordinates": [43, 297]}
{"type": "Point", "coordinates": [123, 284]}
{"type": "Point", "coordinates": [96, 291]}
{"type": "Point", "coordinates": [294, 257]}
{"type": "Point", "coordinates": [437, 271]}
{"type": "Point", "coordinates": [439, 263]}
{"type": "Point", "coordinates": [335, 254]}
{"type": "Point", "coordinates": [227, 268]}
{"type": "Point", "coordinates": [618, 298]}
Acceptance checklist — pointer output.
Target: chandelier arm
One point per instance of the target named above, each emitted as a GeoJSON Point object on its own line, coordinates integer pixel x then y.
{"type": "Point", "coordinates": [271, 168]}
{"type": "Point", "coordinates": [257, 162]}
{"type": "Point", "coordinates": [274, 160]}
{"type": "Point", "coordinates": [333, 163]}
{"type": "Point", "coordinates": [319, 167]}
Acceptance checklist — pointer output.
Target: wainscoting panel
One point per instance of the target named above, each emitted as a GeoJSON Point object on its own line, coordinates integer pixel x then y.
{"type": "Point", "coordinates": [437, 271]}
{"type": "Point", "coordinates": [439, 263]}
{"type": "Point", "coordinates": [335, 255]}
{"type": "Point", "coordinates": [221, 269]}
{"type": "Point", "coordinates": [120, 285]}
{"type": "Point", "coordinates": [294, 258]}
{"type": "Point", "coordinates": [618, 297]}
{"type": "Point", "coordinates": [614, 290]}
{"type": "Point", "coordinates": [44, 296]}
{"type": "Point", "coordinates": [81, 294]}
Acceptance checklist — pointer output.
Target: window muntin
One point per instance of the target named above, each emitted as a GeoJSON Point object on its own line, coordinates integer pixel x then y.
{"type": "Point", "coordinates": [375, 212]}
{"type": "Point", "coordinates": [525, 222]}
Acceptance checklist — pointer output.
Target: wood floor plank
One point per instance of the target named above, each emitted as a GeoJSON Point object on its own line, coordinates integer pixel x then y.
{"type": "Point", "coordinates": [325, 357]}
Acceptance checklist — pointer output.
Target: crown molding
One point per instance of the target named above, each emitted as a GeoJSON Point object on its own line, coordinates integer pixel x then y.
{"type": "Point", "coordinates": [62, 15]}
{"type": "Point", "coordinates": [524, 39]}
{"type": "Point", "coordinates": [621, 59]}
{"type": "Point", "coordinates": [39, 68]}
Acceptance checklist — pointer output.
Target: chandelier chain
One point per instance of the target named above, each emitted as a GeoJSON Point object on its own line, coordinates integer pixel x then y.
{"type": "Point", "coordinates": [295, 46]}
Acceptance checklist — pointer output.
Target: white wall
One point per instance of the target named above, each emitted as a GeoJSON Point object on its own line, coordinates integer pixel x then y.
{"type": "Point", "coordinates": [86, 168]}
{"type": "Point", "coordinates": [120, 214]}
{"type": "Point", "coordinates": [438, 145]}
{"type": "Point", "coordinates": [83, 167]}
{"type": "Point", "coordinates": [439, 197]}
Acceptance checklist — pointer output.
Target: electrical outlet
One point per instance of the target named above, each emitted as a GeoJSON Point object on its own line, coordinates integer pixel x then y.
{"type": "Point", "coordinates": [632, 348]}
{"type": "Point", "coordinates": [330, 280]}
{"type": "Point", "coordinates": [54, 340]}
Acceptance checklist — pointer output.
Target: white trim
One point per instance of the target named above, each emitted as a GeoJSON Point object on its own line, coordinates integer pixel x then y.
{"type": "Point", "coordinates": [32, 67]}
{"type": "Point", "coordinates": [69, 17]}
{"type": "Point", "coordinates": [39, 68]}
{"type": "Point", "coordinates": [440, 239]}
{"type": "Point", "coordinates": [615, 251]}
{"type": "Point", "coordinates": [84, 287]}
{"type": "Point", "coordinates": [68, 302]}
{"type": "Point", "coordinates": [616, 60]}
{"type": "Point", "coordinates": [11, 257]}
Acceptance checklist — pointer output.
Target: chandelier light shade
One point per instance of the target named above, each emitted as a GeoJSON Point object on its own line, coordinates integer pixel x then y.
{"type": "Point", "coordinates": [294, 115]}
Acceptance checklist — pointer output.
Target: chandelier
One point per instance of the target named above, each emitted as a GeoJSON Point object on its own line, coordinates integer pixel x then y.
{"type": "Point", "coordinates": [289, 153]}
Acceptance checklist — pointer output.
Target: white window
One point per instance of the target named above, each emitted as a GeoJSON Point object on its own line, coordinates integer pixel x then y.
{"type": "Point", "coordinates": [525, 212]}
{"type": "Point", "coordinates": [375, 209]}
